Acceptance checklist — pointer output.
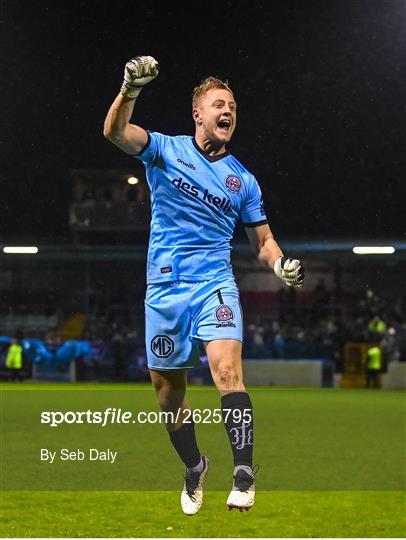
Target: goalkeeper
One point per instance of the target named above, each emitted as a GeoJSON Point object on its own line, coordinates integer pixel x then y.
{"type": "Point", "coordinates": [198, 193]}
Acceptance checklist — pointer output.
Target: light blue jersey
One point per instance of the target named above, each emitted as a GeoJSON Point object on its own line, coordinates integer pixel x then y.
{"type": "Point", "coordinates": [196, 201]}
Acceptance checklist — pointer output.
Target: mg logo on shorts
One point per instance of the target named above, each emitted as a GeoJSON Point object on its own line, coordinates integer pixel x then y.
{"type": "Point", "coordinates": [224, 313]}
{"type": "Point", "coordinates": [162, 346]}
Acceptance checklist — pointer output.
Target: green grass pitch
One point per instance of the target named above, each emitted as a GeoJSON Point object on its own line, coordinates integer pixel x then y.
{"type": "Point", "coordinates": [332, 465]}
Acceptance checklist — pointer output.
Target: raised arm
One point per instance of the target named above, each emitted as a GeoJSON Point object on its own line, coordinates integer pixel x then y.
{"type": "Point", "coordinates": [270, 254]}
{"type": "Point", "coordinates": [117, 128]}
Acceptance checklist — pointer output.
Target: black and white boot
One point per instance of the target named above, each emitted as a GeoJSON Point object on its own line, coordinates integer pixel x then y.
{"type": "Point", "coordinates": [192, 494]}
{"type": "Point", "coordinates": [242, 494]}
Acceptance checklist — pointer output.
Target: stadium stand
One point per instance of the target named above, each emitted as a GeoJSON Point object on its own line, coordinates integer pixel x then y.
{"type": "Point", "coordinates": [93, 289]}
{"type": "Point", "coordinates": [107, 311]}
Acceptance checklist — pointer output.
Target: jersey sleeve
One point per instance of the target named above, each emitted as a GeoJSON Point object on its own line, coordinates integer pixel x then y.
{"type": "Point", "coordinates": [153, 148]}
{"type": "Point", "coordinates": [252, 211]}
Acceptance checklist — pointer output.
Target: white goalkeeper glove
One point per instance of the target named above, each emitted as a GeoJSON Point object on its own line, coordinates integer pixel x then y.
{"type": "Point", "coordinates": [138, 72]}
{"type": "Point", "coordinates": [290, 271]}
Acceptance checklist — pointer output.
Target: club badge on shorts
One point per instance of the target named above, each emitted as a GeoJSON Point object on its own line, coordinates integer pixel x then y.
{"type": "Point", "coordinates": [225, 316]}
{"type": "Point", "coordinates": [224, 313]}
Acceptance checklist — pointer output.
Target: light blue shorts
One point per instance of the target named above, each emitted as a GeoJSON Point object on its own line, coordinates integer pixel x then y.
{"type": "Point", "coordinates": [180, 314]}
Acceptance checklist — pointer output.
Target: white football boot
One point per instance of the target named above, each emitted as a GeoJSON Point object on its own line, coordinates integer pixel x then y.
{"type": "Point", "coordinates": [242, 494]}
{"type": "Point", "coordinates": [192, 494]}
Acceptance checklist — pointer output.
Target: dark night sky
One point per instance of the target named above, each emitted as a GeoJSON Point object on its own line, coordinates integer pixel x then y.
{"type": "Point", "coordinates": [320, 87]}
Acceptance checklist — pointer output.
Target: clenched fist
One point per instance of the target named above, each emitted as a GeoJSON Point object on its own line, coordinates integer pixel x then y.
{"type": "Point", "coordinates": [290, 271]}
{"type": "Point", "coordinates": [138, 72]}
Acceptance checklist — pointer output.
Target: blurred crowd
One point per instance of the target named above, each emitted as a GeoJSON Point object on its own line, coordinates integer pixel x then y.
{"type": "Point", "coordinates": [316, 328]}
{"type": "Point", "coordinates": [322, 327]}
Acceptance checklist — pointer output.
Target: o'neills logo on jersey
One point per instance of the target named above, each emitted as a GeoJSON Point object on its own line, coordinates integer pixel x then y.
{"type": "Point", "coordinates": [190, 165]}
{"type": "Point", "coordinates": [219, 202]}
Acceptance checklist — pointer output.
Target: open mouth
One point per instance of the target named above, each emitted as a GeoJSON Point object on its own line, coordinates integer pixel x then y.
{"type": "Point", "coordinates": [224, 125]}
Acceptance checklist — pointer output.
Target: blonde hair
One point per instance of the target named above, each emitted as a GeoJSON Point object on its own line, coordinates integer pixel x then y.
{"type": "Point", "coordinates": [208, 84]}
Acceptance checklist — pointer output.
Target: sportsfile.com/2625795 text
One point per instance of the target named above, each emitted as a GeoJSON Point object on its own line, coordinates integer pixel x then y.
{"type": "Point", "coordinates": [112, 415]}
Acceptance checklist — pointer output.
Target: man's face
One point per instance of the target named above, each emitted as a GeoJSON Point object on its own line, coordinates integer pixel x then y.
{"type": "Point", "coordinates": [216, 115]}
